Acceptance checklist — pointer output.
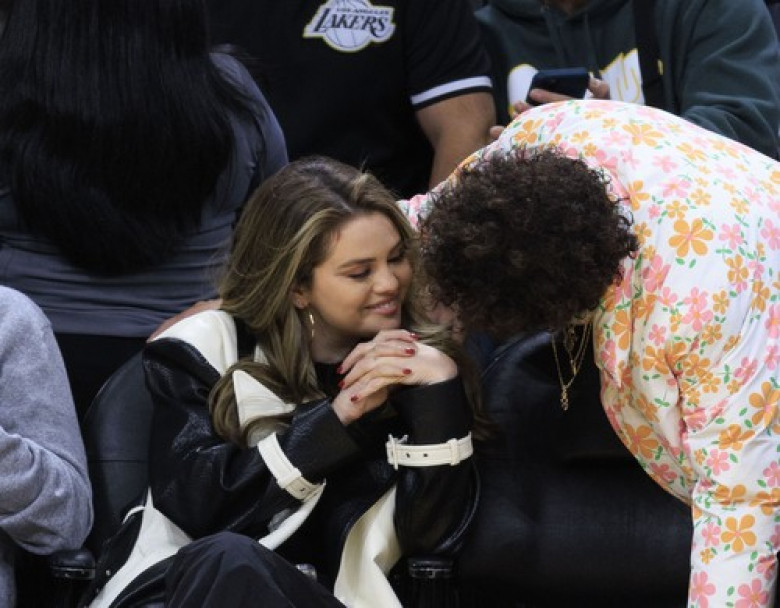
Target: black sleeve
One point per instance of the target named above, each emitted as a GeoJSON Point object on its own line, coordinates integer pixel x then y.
{"type": "Point", "coordinates": [204, 484]}
{"type": "Point", "coordinates": [434, 505]}
{"type": "Point", "coordinates": [444, 53]}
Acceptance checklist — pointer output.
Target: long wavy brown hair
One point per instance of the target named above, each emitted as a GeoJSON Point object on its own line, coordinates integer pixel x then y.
{"type": "Point", "coordinates": [285, 232]}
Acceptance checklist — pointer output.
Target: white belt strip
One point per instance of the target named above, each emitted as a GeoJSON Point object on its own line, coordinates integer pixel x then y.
{"type": "Point", "coordinates": [451, 452]}
{"type": "Point", "coordinates": [287, 476]}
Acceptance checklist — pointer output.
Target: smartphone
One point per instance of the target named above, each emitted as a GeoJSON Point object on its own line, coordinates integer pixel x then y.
{"type": "Point", "coordinates": [572, 82]}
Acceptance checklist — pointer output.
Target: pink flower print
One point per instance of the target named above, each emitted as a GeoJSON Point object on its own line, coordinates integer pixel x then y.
{"type": "Point", "coordinates": [746, 370]}
{"type": "Point", "coordinates": [766, 566]}
{"type": "Point", "coordinates": [732, 234]}
{"type": "Point", "coordinates": [775, 540]}
{"type": "Point", "coordinates": [655, 273]}
{"type": "Point", "coordinates": [654, 212]}
{"type": "Point", "coordinates": [756, 269]}
{"type": "Point", "coordinates": [667, 297]}
{"type": "Point", "coordinates": [676, 188]}
{"type": "Point", "coordinates": [698, 318]}
{"type": "Point", "coordinates": [773, 322]}
{"type": "Point", "coordinates": [697, 300]}
{"type": "Point", "coordinates": [711, 534]}
{"type": "Point", "coordinates": [772, 357]}
{"type": "Point", "coordinates": [665, 164]}
{"type": "Point", "coordinates": [657, 334]}
{"type": "Point", "coordinates": [617, 139]}
{"type": "Point", "coordinates": [627, 156]}
{"type": "Point", "coordinates": [772, 474]}
{"type": "Point", "coordinates": [663, 472]}
{"type": "Point", "coordinates": [701, 587]}
{"type": "Point", "coordinates": [752, 595]}
{"type": "Point", "coordinates": [608, 355]}
{"type": "Point", "coordinates": [771, 234]}
{"type": "Point", "coordinates": [698, 314]}
{"type": "Point", "coordinates": [718, 461]}
{"type": "Point", "coordinates": [414, 206]}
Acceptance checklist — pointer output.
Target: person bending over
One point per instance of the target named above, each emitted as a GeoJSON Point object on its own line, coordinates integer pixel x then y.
{"type": "Point", "coordinates": [663, 240]}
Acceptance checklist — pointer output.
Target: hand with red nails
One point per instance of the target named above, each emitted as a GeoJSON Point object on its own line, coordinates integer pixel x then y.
{"type": "Point", "coordinates": [392, 358]}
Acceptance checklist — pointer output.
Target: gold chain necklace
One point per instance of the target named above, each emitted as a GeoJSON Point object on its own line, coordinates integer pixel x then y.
{"type": "Point", "coordinates": [576, 355]}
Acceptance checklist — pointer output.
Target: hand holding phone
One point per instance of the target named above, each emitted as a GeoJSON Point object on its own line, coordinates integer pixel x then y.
{"type": "Point", "coordinates": [569, 82]}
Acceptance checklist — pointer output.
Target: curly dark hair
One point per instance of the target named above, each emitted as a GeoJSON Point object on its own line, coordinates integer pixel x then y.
{"type": "Point", "coordinates": [525, 241]}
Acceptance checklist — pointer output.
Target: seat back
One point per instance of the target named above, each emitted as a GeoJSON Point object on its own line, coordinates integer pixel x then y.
{"type": "Point", "coordinates": [116, 432]}
{"type": "Point", "coordinates": [567, 517]}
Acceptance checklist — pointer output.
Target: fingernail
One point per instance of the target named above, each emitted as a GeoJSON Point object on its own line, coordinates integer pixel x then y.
{"type": "Point", "coordinates": [413, 335]}
{"type": "Point", "coordinates": [341, 384]}
{"type": "Point", "coordinates": [407, 371]}
{"type": "Point", "coordinates": [409, 351]}
{"type": "Point", "coordinates": [339, 370]}
{"type": "Point", "coordinates": [354, 398]}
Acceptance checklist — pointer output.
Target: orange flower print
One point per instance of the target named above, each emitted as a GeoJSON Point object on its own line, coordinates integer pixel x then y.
{"type": "Point", "coordinates": [738, 273]}
{"type": "Point", "coordinates": [766, 402]}
{"type": "Point", "coordinates": [739, 532]}
{"type": "Point", "coordinates": [711, 333]}
{"type": "Point", "coordinates": [720, 302]}
{"type": "Point", "coordinates": [733, 438]}
{"type": "Point", "coordinates": [638, 194]}
{"type": "Point", "coordinates": [701, 587]}
{"type": "Point", "coordinates": [676, 209]}
{"type": "Point", "coordinates": [693, 153]}
{"type": "Point", "coordinates": [690, 236]}
{"type": "Point", "coordinates": [643, 306]}
{"type": "Point", "coordinates": [643, 133]}
{"type": "Point", "coordinates": [701, 197]}
{"type": "Point", "coordinates": [761, 294]}
{"type": "Point", "coordinates": [767, 501]}
{"type": "Point", "coordinates": [640, 441]}
{"type": "Point", "coordinates": [527, 133]}
{"type": "Point", "coordinates": [621, 326]}
{"type": "Point", "coordinates": [695, 366]}
{"type": "Point", "coordinates": [740, 205]}
{"type": "Point", "coordinates": [730, 496]}
{"type": "Point", "coordinates": [642, 232]}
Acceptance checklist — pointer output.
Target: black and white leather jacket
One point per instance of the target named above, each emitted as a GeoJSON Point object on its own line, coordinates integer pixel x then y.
{"type": "Point", "coordinates": [343, 498]}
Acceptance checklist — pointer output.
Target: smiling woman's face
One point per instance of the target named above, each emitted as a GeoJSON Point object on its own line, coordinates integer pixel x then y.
{"type": "Point", "coordinates": [359, 288]}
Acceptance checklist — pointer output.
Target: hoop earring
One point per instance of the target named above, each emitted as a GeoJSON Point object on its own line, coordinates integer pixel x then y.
{"type": "Point", "coordinates": [311, 322]}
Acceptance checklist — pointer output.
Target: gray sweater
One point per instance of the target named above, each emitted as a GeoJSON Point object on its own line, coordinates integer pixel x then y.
{"type": "Point", "coordinates": [45, 496]}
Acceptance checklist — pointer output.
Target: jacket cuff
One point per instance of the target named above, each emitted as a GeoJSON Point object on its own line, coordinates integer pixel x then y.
{"type": "Point", "coordinates": [317, 442]}
{"type": "Point", "coordinates": [434, 413]}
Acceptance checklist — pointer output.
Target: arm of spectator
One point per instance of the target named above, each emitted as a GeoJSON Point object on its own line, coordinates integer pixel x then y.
{"type": "Point", "coordinates": [45, 495]}
{"type": "Point", "coordinates": [456, 127]}
{"type": "Point", "coordinates": [729, 71]}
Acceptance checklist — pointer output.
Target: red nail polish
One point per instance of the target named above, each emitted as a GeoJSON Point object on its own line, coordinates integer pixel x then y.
{"type": "Point", "coordinates": [409, 351]}
{"type": "Point", "coordinates": [354, 398]}
{"type": "Point", "coordinates": [339, 370]}
{"type": "Point", "coordinates": [341, 384]}
{"type": "Point", "coordinates": [413, 335]}
{"type": "Point", "coordinates": [406, 371]}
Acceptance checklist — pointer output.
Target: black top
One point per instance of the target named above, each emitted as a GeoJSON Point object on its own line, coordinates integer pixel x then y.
{"type": "Point", "coordinates": [344, 77]}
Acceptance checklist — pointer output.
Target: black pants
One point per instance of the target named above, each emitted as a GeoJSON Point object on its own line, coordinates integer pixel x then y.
{"type": "Point", "coordinates": [228, 569]}
{"type": "Point", "coordinates": [90, 360]}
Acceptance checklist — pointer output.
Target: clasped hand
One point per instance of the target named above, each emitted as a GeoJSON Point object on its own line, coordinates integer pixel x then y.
{"type": "Point", "coordinates": [394, 357]}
